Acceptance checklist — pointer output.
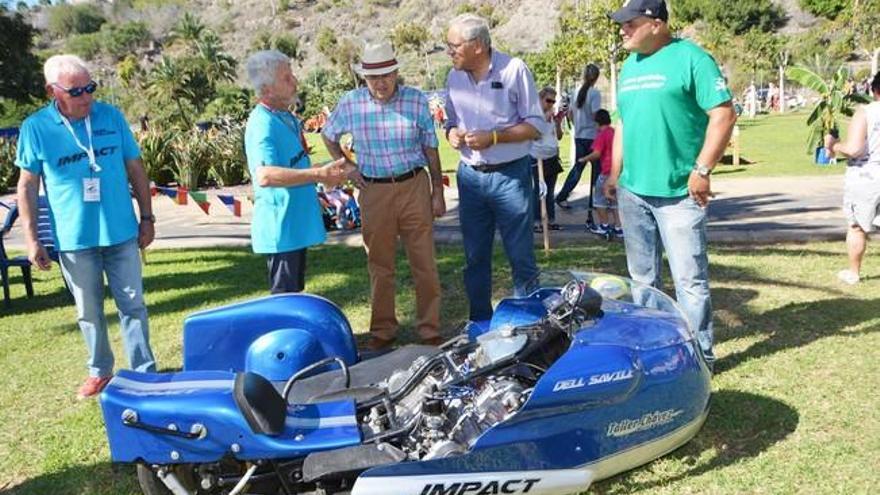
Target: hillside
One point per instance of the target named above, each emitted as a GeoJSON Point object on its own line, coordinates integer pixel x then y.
{"type": "Point", "coordinates": [523, 25]}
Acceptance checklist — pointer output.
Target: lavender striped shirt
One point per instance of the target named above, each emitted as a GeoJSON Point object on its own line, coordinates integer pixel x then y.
{"type": "Point", "coordinates": [388, 137]}
{"type": "Point", "coordinates": [506, 97]}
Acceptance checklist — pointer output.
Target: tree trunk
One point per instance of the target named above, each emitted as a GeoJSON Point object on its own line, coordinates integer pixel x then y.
{"type": "Point", "coordinates": [875, 62]}
{"type": "Point", "coordinates": [613, 83]}
{"type": "Point", "coordinates": [558, 87]}
{"type": "Point", "coordinates": [781, 89]}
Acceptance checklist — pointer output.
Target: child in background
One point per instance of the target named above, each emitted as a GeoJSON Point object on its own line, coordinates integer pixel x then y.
{"type": "Point", "coordinates": [606, 210]}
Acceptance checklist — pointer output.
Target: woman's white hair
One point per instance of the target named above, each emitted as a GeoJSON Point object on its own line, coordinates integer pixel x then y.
{"type": "Point", "coordinates": [63, 64]}
{"type": "Point", "coordinates": [472, 27]}
{"type": "Point", "coordinates": [262, 67]}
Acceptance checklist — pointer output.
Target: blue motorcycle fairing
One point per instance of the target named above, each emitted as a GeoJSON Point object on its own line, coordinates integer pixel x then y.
{"type": "Point", "coordinates": [219, 339]}
{"type": "Point", "coordinates": [206, 398]}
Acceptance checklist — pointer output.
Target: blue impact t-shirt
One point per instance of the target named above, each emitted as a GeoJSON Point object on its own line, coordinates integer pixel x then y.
{"type": "Point", "coordinates": [46, 148]}
{"type": "Point", "coordinates": [285, 218]}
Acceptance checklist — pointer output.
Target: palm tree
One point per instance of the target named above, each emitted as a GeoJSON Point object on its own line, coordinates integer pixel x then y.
{"type": "Point", "coordinates": [218, 65]}
{"type": "Point", "coordinates": [168, 80]}
{"type": "Point", "coordinates": [189, 29]}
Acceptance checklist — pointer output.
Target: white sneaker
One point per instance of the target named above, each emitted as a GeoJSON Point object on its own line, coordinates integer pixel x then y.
{"type": "Point", "coordinates": [848, 277]}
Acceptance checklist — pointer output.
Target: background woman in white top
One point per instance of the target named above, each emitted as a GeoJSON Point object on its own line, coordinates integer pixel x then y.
{"type": "Point", "coordinates": [861, 192]}
{"type": "Point", "coordinates": [587, 103]}
{"type": "Point", "coordinates": [546, 148]}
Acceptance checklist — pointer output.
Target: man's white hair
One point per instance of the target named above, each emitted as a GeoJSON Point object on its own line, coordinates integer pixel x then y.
{"type": "Point", "coordinates": [262, 67]}
{"type": "Point", "coordinates": [472, 27]}
{"type": "Point", "coordinates": [63, 64]}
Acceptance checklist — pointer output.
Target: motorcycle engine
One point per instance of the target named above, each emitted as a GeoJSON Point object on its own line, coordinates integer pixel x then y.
{"type": "Point", "coordinates": [447, 420]}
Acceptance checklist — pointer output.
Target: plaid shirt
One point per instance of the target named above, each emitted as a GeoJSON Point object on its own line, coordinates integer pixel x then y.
{"type": "Point", "coordinates": [387, 137]}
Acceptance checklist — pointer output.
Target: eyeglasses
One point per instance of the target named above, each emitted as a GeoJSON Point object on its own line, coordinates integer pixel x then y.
{"type": "Point", "coordinates": [550, 100]}
{"type": "Point", "coordinates": [77, 91]}
{"type": "Point", "coordinates": [451, 47]}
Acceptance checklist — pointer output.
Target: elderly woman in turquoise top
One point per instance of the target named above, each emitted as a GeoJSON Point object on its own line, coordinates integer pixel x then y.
{"type": "Point", "coordinates": [287, 217]}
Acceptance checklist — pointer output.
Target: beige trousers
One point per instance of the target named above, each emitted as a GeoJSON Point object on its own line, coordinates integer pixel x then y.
{"type": "Point", "coordinates": [388, 212]}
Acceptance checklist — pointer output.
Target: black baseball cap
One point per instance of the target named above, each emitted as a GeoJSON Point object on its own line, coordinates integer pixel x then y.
{"type": "Point", "coordinates": [655, 9]}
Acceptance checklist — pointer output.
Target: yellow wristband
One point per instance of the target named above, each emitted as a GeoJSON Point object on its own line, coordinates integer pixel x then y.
{"type": "Point", "coordinates": [494, 138]}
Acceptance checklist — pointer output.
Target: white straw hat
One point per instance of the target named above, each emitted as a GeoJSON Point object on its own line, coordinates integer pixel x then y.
{"type": "Point", "coordinates": [376, 59]}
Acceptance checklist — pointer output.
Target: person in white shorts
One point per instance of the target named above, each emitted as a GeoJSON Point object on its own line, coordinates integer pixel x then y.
{"type": "Point", "coordinates": [861, 196]}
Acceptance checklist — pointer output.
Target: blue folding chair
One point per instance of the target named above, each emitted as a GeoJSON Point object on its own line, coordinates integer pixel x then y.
{"type": "Point", "coordinates": [45, 234]}
{"type": "Point", "coordinates": [20, 261]}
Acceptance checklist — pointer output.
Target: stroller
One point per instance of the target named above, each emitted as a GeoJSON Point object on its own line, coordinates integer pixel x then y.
{"type": "Point", "coordinates": [339, 208]}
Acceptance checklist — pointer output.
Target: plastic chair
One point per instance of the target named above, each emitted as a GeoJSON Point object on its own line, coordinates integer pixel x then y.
{"type": "Point", "coordinates": [45, 234]}
{"type": "Point", "coordinates": [19, 261]}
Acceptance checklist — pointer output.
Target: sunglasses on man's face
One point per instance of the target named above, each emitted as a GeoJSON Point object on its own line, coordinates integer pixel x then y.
{"type": "Point", "coordinates": [76, 91]}
{"type": "Point", "coordinates": [550, 100]}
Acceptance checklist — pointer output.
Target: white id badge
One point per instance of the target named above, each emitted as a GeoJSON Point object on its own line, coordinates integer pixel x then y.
{"type": "Point", "coordinates": [91, 190]}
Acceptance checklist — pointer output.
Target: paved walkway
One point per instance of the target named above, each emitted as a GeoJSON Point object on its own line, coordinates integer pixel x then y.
{"type": "Point", "coordinates": [754, 210]}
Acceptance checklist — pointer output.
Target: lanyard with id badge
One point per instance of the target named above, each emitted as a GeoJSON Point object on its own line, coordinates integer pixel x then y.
{"type": "Point", "coordinates": [91, 185]}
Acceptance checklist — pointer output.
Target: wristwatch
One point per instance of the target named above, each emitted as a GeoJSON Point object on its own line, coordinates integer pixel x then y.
{"type": "Point", "coordinates": [148, 218]}
{"type": "Point", "coordinates": [702, 170]}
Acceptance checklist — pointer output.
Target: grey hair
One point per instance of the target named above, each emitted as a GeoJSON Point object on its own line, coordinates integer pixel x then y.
{"type": "Point", "coordinates": [262, 68]}
{"type": "Point", "coordinates": [472, 27]}
{"type": "Point", "coordinates": [547, 90]}
{"type": "Point", "coordinates": [63, 64]}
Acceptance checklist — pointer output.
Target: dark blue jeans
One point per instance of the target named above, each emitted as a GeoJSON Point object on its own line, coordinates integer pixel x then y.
{"type": "Point", "coordinates": [582, 148]}
{"type": "Point", "coordinates": [501, 199]}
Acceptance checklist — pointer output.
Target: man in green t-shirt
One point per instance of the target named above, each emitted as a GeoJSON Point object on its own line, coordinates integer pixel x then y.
{"type": "Point", "coordinates": [676, 118]}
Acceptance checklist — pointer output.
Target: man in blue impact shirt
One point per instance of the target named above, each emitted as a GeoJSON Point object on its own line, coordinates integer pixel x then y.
{"type": "Point", "coordinates": [287, 217]}
{"type": "Point", "coordinates": [86, 156]}
{"type": "Point", "coordinates": [493, 115]}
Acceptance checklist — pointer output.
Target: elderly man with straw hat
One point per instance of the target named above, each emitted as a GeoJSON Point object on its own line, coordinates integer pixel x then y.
{"type": "Point", "coordinates": [393, 132]}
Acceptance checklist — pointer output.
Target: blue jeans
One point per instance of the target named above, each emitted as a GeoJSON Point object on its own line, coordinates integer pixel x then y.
{"type": "Point", "coordinates": [486, 200]}
{"type": "Point", "coordinates": [582, 148]}
{"type": "Point", "coordinates": [84, 271]}
{"type": "Point", "coordinates": [678, 226]}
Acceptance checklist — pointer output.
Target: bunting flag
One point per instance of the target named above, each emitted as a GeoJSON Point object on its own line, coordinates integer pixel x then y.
{"type": "Point", "coordinates": [181, 195]}
{"type": "Point", "coordinates": [171, 192]}
{"type": "Point", "coordinates": [201, 200]}
{"type": "Point", "coordinates": [231, 202]}
{"type": "Point", "coordinates": [445, 180]}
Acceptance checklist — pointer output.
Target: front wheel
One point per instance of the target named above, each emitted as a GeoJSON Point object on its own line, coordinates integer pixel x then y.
{"type": "Point", "coordinates": [151, 484]}
{"type": "Point", "coordinates": [205, 479]}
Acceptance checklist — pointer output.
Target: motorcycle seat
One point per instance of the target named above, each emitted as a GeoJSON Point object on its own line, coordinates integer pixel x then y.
{"type": "Point", "coordinates": [367, 377]}
{"type": "Point", "coordinates": [259, 402]}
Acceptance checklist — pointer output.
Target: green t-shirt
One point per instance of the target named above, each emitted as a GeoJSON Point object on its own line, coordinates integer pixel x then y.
{"type": "Point", "coordinates": [663, 99]}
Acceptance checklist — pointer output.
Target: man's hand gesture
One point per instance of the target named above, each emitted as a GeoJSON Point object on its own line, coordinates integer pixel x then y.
{"type": "Point", "coordinates": [333, 173]}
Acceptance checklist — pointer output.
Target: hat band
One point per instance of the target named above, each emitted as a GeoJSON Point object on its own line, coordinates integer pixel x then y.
{"type": "Point", "coordinates": [378, 65]}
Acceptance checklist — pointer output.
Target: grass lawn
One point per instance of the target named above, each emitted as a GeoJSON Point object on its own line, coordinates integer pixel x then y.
{"type": "Point", "coordinates": [794, 407]}
{"type": "Point", "coordinates": [770, 145]}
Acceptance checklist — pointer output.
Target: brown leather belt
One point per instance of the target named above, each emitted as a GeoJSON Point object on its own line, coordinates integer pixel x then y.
{"type": "Point", "coordinates": [397, 178]}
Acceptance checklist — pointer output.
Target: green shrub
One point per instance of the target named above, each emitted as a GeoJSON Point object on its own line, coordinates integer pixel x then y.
{"type": "Point", "coordinates": [194, 152]}
{"type": "Point", "coordinates": [230, 164]}
{"type": "Point", "coordinates": [8, 170]}
{"type": "Point", "coordinates": [87, 46]}
{"type": "Point", "coordinates": [120, 41]}
{"type": "Point", "coordinates": [157, 154]}
{"type": "Point", "coordinates": [65, 19]}
{"type": "Point", "coordinates": [829, 9]}
{"type": "Point", "coordinates": [288, 45]}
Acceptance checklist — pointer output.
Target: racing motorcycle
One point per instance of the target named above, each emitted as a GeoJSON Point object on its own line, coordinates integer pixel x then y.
{"type": "Point", "coordinates": [588, 376]}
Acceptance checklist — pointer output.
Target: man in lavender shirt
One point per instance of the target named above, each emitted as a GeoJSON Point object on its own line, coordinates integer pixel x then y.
{"type": "Point", "coordinates": [493, 112]}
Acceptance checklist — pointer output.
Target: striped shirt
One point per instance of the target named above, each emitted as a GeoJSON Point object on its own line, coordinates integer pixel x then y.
{"type": "Point", "coordinates": [387, 137]}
